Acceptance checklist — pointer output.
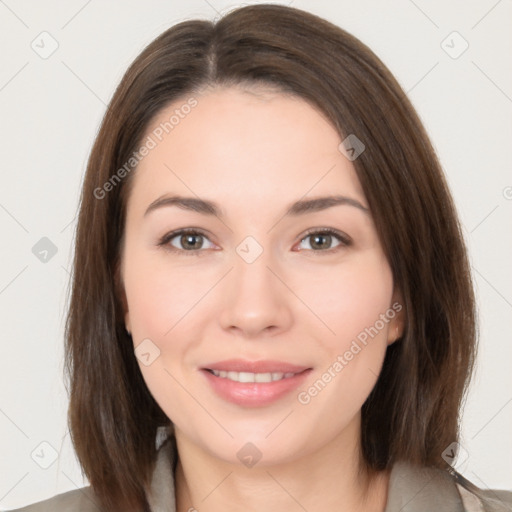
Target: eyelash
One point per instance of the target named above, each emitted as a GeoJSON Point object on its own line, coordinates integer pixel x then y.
{"type": "Point", "coordinates": [343, 239]}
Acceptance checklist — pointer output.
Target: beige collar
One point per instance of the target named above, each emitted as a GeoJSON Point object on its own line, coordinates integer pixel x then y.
{"type": "Point", "coordinates": [411, 489]}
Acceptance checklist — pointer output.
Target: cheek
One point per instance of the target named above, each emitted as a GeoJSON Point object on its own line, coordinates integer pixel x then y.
{"type": "Point", "coordinates": [158, 295]}
{"type": "Point", "coordinates": [159, 299]}
{"type": "Point", "coordinates": [352, 297]}
{"type": "Point", "coordinates": [164, 303]}
{"type": "Point", "coordinates": [352, 302]}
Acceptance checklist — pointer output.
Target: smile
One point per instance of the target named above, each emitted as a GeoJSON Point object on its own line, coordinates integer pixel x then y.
{"type": "Point", "coordinates": [254, 389]}
{"type": "Point", "coordinates": [251, 377]}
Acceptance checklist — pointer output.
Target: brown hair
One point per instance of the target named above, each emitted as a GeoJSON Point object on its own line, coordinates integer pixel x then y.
{"type": "Point", "coordinates": [412, 414]}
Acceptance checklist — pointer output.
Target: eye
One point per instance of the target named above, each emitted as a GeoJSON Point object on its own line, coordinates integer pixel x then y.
{"type": "Point", "coordinates": [190, 240]}
{"type": "Point", "coordinates": [321, 239]}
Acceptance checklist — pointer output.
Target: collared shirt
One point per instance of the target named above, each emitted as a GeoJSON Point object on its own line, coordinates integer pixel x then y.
{"type": "Point", "coordinates": [411, 489]}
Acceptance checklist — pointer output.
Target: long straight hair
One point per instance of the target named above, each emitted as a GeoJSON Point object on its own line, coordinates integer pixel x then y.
{"type": "Point", "coordinates": [413, 412]}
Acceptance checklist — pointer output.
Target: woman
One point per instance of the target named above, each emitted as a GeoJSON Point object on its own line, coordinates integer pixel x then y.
{"type": "Point", "coordinates": [207, 320]}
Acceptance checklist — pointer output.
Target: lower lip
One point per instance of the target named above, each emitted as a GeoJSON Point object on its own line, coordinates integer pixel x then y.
{"type": "Point", "coordinates": [254, 394]}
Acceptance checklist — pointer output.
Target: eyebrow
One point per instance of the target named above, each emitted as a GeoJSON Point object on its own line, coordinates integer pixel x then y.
{"type": "Point", "coordinates": [297, 208]}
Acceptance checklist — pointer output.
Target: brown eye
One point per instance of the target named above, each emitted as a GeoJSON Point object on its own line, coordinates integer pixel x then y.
{"type": "Point", "coordinates": [322, 240]}
{"type": "Point", "coordinates": [185, 241]}
{"type": "Point", "coordinates": [191, 241]}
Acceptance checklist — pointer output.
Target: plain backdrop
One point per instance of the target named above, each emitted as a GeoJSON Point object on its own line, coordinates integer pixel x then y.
{"type": "Point", "coordinates": [51, 107]}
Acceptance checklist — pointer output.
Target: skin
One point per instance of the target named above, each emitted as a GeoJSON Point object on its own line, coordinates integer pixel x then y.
{"type": "Point", "coordinates": [254, 152]}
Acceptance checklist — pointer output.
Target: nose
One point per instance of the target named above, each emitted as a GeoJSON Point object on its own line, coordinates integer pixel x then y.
{"type": "Point", "coordinates": [255, 300]}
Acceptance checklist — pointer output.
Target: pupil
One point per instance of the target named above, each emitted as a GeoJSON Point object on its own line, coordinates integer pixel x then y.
{"type": "Point", "coordinates": [187, 239]}
{"type": "Point", "coordinates": [317, 237]}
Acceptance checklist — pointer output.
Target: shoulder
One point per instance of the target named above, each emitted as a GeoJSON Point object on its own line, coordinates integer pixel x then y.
{"type": "Point", "coordinates": [482, 500]}
{"type": "Point", "coordinates": [77, 500]}
{"type": "Point", "coordinates": [422, 489]}
{"type": "Point", "coordinates": [85, 500]}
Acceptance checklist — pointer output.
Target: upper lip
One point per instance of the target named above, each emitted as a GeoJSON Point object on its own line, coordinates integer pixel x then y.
{"type": "Point", "coordinates": [241, 365]}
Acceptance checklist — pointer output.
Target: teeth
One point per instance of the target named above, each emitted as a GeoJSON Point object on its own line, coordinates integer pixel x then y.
{"type": "Point", "coordinates": [252, 377]}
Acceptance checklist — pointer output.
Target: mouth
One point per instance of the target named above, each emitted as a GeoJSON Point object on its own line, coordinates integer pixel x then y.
{"type": "Point", "coordinates": [245, 377]}
{"type": "Point", "coordinates": [254, 383]}
{"type": "Point", "coordinates": [254, 367]}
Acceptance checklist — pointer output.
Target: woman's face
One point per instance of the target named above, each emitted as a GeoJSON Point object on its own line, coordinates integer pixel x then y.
{"type": "Point", "coordinates": [258, 280]}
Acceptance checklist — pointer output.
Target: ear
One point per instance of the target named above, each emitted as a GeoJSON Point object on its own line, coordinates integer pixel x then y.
{"type": "Point", "coordinates": [121, 297]}
{"type": "Point", "coordinates": [127, 323]}
{"type": "Point", "coordinates": [397, 323]}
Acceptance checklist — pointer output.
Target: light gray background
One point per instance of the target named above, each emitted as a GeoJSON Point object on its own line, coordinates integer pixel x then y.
{"type": "Point", "coordinates": [51, 109]}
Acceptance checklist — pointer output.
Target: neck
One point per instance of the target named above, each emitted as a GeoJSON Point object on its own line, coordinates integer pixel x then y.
{"type": "Point", "coordinates": [331, 478]}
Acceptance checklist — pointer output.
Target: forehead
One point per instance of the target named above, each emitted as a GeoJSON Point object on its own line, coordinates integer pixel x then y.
{"type": "Point", "coordinates": [247, 148]}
